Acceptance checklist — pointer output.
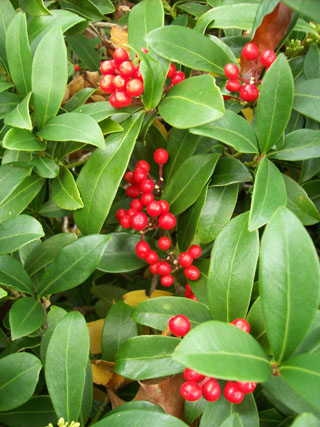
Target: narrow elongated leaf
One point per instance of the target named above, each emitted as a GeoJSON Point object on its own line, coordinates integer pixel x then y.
{"type": "Point", "coordinates": [65, 193]}
{"type": "Point", "coordinates": [100, 111]}
{"type": "Point", "coordinates": [45, 167]}
{"type": "Point", "coordinates": [187, 182]}
{"type": "Point", "coordinates": [141, 417]}
{"type": "Point", "coordinates": [230, 171]}
{"type": "Point", "coordinates": [34, 7]}
{"type": "Point", "coordinates": [222, 350]}
{"type": "Point", "coordinates": [300, 144]}
{"type": "Point", "coordinates": [49, 75]}
{"type": "Point", "coordinates": [4, 85]}
{"type": "Point", "coordinates": [153, 80]}
{"type": "Point", "coordinates": [274, 103]}
{"type": "Point", "coordinates": [13, 274]}
{"type": "Point", "coordinates": [307, 98]}
{"type": "Point", "coordinates": [8, 101]}
{"type": "Point", "coordinates": [288, 274]}
{"type": "Point", "coordinates": [20, 116]}
{"type": "Point", "coordinates": [22, 140]}
{"type": "Point", "coordinates": [25, 316]}
{"type": "Point", "coordinates": [79, 98]}
{"type": "Point", "coordinates": [193, 102]}
{"type": "Point", "coordinates": [100, 177]}
{"type": "Point", "coordinates": [85, 8]}
{"type": "Point", "coordinates": [10, 178]}
{"type": "Point", "coordinates": [73, 264]}
{"type": "Point", "coordinates": [54, 316]}
{"type": "Point", "coordinates": [68, 348]}
{"type": "Point", "coordinates": [232, 130]}
{"type": "Point", "coordinates": [232, 269]}
{"type": "Point", "coordinates": [73, 127]}
{"type": "Point", "coordinates": [7, 14]}
{"type": "Point", "coordinates": [18, 232]}
{"type": "Point", "coordinates": [269, 192]}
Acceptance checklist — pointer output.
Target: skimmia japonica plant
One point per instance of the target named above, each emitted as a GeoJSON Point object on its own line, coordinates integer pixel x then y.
{"type": "Point", "coordinates": [159, 213]}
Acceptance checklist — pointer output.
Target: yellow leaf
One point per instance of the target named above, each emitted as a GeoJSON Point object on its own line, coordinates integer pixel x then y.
{"type": "Point", "coordinates": [102, 371]}
{"type": "Point", "coordinates": [119, 37]}
{"type": "Point", "coordinates": [248, 114]}
{"type": "Point", "coordinates": [95, 332]}
{"type": "Point", "coordinates": [134, 297]}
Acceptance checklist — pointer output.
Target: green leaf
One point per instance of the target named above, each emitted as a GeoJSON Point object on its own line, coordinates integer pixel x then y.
{"type": "Point", "coordinates": [232, 130]}
{"type": "Point", "coordinates": [311, 66]}
{"type": "Point", "coordinates": [4, 85]}
{"type": "Point", "coordinates": [302, 373]}
{"type": "Point", "coordinates": [274, 103]}
{"type": "Point", "coordinates": [54, 316]}
{"type": "Point", "coordinates": [79, 98]}
{"type": "Point", "coordinates": [257, 325]}
{"type": "Point", "coordinates": [100, 111]}
{"type": "Point", "coordinates": [187, 182]}
{"type": "Point", "coordinates": [150, 356]}
{"type": "Point", "coordinates": [10, 178]}
{"type": "Point", "coordinates": [144, 17]}
{"type": "Point", "coordinates": [269, 192]}
{"type": "Point", "coordinates": [19, 375]}
{"type": "Point", "coordinates": [231, 273]}
{"type": "Point", "coordinates": [14, 275]}
{"type": "Point", "coordinates": [7, 14]}
{"type": "Point", "coordinates": [25, 316]}
{"type": "Point", "coordinates": [153, 80]}
{"type": "Point", "coordinates": [19, 54]}
{"type": "Point", "coordinates": [300, 144]}
{"type": "Point", "coordinates": [3, 293]}
{"type": "Point", "coordinates": [45, 167]}
{"type": "Point", "coordinates": [137, 404]}
{"type": "Point", "coordinates": [222, 350]}
{"type": "Point", "coordinates": [99, 179]}
{"type": "Point", "coordinates": [309, 8]}
{"type": "Point", "coordinates": [17, 158]}
{"type": "Point", "coordinates": [289, 267]}
{"type": "Point", "coordinates": [117, 328]}
{"type": "Point", "coordinates": [65, 193]}
{"type": "Point", "coordinates": [18, 232]}
{"type": "Point", "coordinates": [20, 116]}
{"type": "Point", "coordinates": [105, 6]}
{"type": "Point", "coordinates": [84, 49]}
{"type": "Point", "coordinates": [34, 7]}
{"type": "Point", "coordinates": [307, 98]}
{"type": "Point", "coordinates": [265, 7]}
{"type": "Point", "coordinates": [49, 75]}
{"type": "Point", "coordinates": [85, 8]}
{"type": "Point", "coordinates": [66, 362]}
{"type": "Point", "coordinates": [22, 140]}
{"type": "Point", "coordinates": [233, 421]}
{"type": "Point", "coordinates": [8, 101]}
{"type": "Point", "coordinates": [87, 396]}
{"type": "Point", "coordinates": [189, 48]}
{"type": "Point", "coordinates": [230, 171]}
{"type": "Point", "coordinates": [313, 190]}
{"type": "Point", "coordinates": [306, 420]}
{"type": "Point", "coordinates": [193, 102]}
{"type": "Point", "coordinates": [217, 211]}
{"type": "Point", "coordinates": [51, 210]}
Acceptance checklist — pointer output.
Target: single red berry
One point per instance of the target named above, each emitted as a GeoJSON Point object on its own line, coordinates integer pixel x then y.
{"type": "Point", "coordinates": [120, 99]}
{"type": "Point", "coordinates": [134, 87]}
{"type": "Point", "coordinates": [119, 82]}
{"type": "Point", "coordinates": [106, 84]}
{"type": "Point", "coordinates": [187, 294]}
{"type": "Point", "coordinates": [246, 387]}
{"type": "Point", "coordinates": [185, 259]}
{"type": "Point", "coordinates": [241, 324]}
{"type": "Point", "coordinates": [233, 85]}
{"type": "Point", "coordinates": [146, 198]}
{"type": "Point", "coordinates": [154, 208]}
{"type": "Point", "coordinates": [179, 325]}
{"type": "Point", "coordinates": [152, 257]}
{"type": "Point", "coordinates": [133, 191]}
{"type": "Point", "coordinates": [178, 77]}
{"type": "Point", "coordinates": [161, 156]}
{"type": "Point", "coordinates": [231, 71]}
{"type": "Point", "coordinates": [211, 390]}
{"type": "Point", "coordinates": [167, 221]}
{"type": "Point", "coordinates": [164, 206]}
{"type": "Point", "coordinates": [138, 74]}
{"type": "Point", "coordinates": [191, 375]}
{"type": "Point", "coordinates": [128, 176]}
{"type": "Point", "coordinates": [127, 69]}
{"type": "Point", "coordinates": [267, 57]}
{"type": "Point", "coordinates": [164, 268]}
{"type": "Point", "coordinates": [167, 280]}
{"type": "Point", "coordinates": [194, 251]}
{"type": "Point", "coordinates": [77, 67]}
{"type": "Point", "coordinates": [250, 51]}
{"type": "Point", "coordinates": [164, 243]}
{"type": "Point", "coordinates": [227, 97]}
{"type": "Point", "coordinates": [125, 221]}
{"type": "Point", "coordinates": [108, 67]}
{"type": "Point", "coordinates": [192, 272]}
{"type": "Point", "coordinates": [120, 213]}
{"type": "Point", "coordinates": [131, 212]}
{"type": "Point", "coordinates": [191, 391]}
{"type": "Point", "coordinates": [154, 268]}
{"type": "Point", "coordinates": [143, 165]}
{"type": "Point", "coordinates": [249, 92]}
{"type": "Point", "coordinates": [142, 249]}
{"type": "Point", "coordinates": [139, 175]}
{"type": "Point", "coordinates": [188, 288]}
{"type": "Point", "coordinates": [232, 393]}
{"type": "Point", "coordinates": [147, 186]}
{"type": "Point", "coordinates": [172, 71]}
{"type": "Point", "coordinates": [120, 55]}
{"type": "Point", "coordinates": [136, 205]}
{"type": "Point", "coordinates": [193, 297]}
{"type": "Point", "coordinates": [143, 49]}
{"type": "Point", "coordinates": [139, 221]}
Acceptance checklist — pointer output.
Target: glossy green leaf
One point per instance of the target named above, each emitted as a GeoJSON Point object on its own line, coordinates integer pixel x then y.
{"type": "Point", "coordinates": [19, 375]}
{"type": "Point", "coordinates": [289, 266]}
{"type": "Point", "coordinates": [85, 8]}
{"type": "Point", "coordinates": [7, 14]}
{"type": "Point", "coordinates": [306, 420]}
{"type": "Point", "coordinates": [193, 102]}
{"type": "Point", "coordinates": [300, 144]}
{"type": "Point", "coordinates": [14, 275]}
{"type": "Point", "coordinates": [85, 50]}
{"type": "Point", "coordinates": [110, 126]}
{"type": "Point", "coordinates": [54, 316]}
{"type": "Point", "coordinates": [8, 101]}
{"type": "Point", "coordinates": [10, 178]}
{"type": "Point", "coordinates": [45, 167]}
{"type": "Point", "coordinates": [193, 410]}
{"type": "Point", "coordinates": [34, 7]}
{"type": "Point", "coordinates": [99, 179]}
{"type": "Point", "coordinates": [118, 327]}
{"type": "Point", "coordinates": [22, 139]}
{"type": "Point", "coordinates": [25, 316]}
{"type": "Point", "coordinates": [153, 79]}
{"type": "Point", "coordinates": [221, 350]}
{"type": "Point", "coordinates": [187, 182]}
{"type": "Point", "coordinates": [313, 190]}
{"type": "Point", "coordinates": [65, 193]}
{"type": "Point", "coordinates": [3, 293]}
{"type": "Point", "coordinates": [20, 116]}
{"type": "Point", "coordinates": [274, 103]}
{"type": "Point", "coordinates": [18, 232]}
{"type": "Point", "coordinates": [312, 63]}
{"type": "Point", "coordinates": [307, 98]}
{"type": "Point", "coordinates": [4, 85]}
{"type": "Point", "coordinates": [269, 192]}
{"type": "Point", "coordinates": [68, 348]}
{"type": "Point", "coordinates": [265, 7]}
{"type": "Point", "coordinates": [73, 264]}
{"type": "Point", "coordinates": [100, 111]}
{"type": "Point", "coordinates": [257, 325]}
{"type": "Point", "coordinates": [17, 158]}
{"type": "Point", "coordinates": [51, 210]}
{"type": "Point", "coordinates": [49, 75]}
{"type": "Point", "coordinates": [189, 48]}
{"type": "Point", "coordinates": [233, 420]}
{"type": "Point", "coordinates": [105, 6]}
{"type": "Point", "coordinates": [232, 130]}
{"type": "Point", "coordinates": [309, 8]}
{"type": "Point", "coordinates": [139, 417]}
{"type": "Point", "coordinates": [79, 99]}
{"type": "Point", "coordinates": [230, 171]}
{"type": "Point", "coordinates": [149, 356]}
{"type": "Point", "coordinates": [137, 404]}
{"type": "Point", "coordinates": [87, 396]}
{"type": "Point", "coordinates": [231, 273]}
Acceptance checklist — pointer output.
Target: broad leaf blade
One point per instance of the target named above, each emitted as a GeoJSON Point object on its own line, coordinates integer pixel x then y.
{"type": "Point", "coordinates": [153, 81]}
{"type": "Point", "coordinates": [25, 316]}
{"type": "Point", "coordinates": [300, 144]}
{"type": "Point", "coordinates": [20, 116]}
{"type": "Point", "coordinates": [14, 275]}
{"type": "Point", "coordinates": [65, 193]}
{"type": "Point", "coordinates": [7, 13]}
{"type": "Point", "coordinates": [307, 98]}
{"type": "Point", "coordinates": [230, 171]}
{"type": "Point", "coordinates": [22, 139]}
{"type": "Point", "coordinates": [10, 178]}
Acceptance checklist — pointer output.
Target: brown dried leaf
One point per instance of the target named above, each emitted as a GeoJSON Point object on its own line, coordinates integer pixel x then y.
{"type": "Point", "coordinates": [115, 400]}
{"type": "Point", "coordinates": [117, 381]}
{"type": "Point", "coordinates": [99, 395]}
{"type": "Point", "coordinates": [119, 37]}
{"type": "Point", "coordinates": [134, 297]}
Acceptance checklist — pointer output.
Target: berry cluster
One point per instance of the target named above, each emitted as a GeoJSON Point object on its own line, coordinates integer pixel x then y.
{"type": "Point", "coordinates": [248, 91]}
{"type": "Point", "coordinates": [175, 76]}
{"type": "Point", "coordinates": [189, 293]}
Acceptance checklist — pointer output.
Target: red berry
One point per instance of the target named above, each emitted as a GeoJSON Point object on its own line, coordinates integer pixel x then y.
{"type": "Point", "coordinates": [267, 57]}
{"type": "Point", "coordinates": [194, 251]}
{"type": "Point", "coordinates": [241, 324]}
{"type": "Point", "coordinates": [154, 208]}
{"type": "Point", "coordinates": [172, 71]}
{"type": "Point", "coordinates": [128, 176]}
{"type": "Point", "coordinates": [192, 272]}
{"type": "Point", "coordinates": [139, 221]}
{"type": "Point", "coordinates": [127, 69]}
{"type": "Point", "coordinates": [131, 212]}
{"type": "Point", "coordinates": [231, 71]}
{"type": "Point", "coordinates": [138, 74]}
{"type": "Point", "coordinates": [106, 84]}
{"type": "Point", "coordinates": [211, 390]}
{"type": "Point", "coordinates": [179, 325]}
{"type": "Point", "coordinates": [152, 257]}
{"type": "Point", "coordinates": [133, 191]}
{"type": "Point", "coordinates": [164, 206]}
{"type": "Point", "coordinates": [187, 294]}
{"type": "Point", "coordinates": [120, 55]}
{"type": "Point", "coordinates": [164, 268]}
{"type": "Point", "coordinates": [77, 67]}
{"type": "Point", "coordinates": [147, 186]}
{"type": "Point", "coordinates": [188, 288]}
{"type": "Point", "coordinates": [134, 87]}
{"type": "Point", "coordinates": [232, 393]}
{"type": "Point", "coordinates": [193, 297]}
{"type": "Point", "coordinates": [139, 175]}
{"type": "Point", "coordinates": [142, 249]}
{"type": "Point", "coordinates": [185, 259]}
{"type": "Point", "coordinates": [143, 165]}
{"type": "Point", "coordinates": [178, 77]}
{"type": "Point", "coordinates": [119, 99]}
{"type": "Point", "coordinates": [167, 221]}
{"type": "Point", "coordinates": [120, 213]}
{"type": "Point", "coordinates": [246, 387]}
{"type": "Point", "coordinates": [161, 156]}
{"type": "Point", "coordinates": [146, 198]}
{"type": "Point", "coordinates": [167, 280]}
{"type": "Point", "coordinates": [164, 243]}
{"type": "Point", "coordinates": [233, 85]}
{"type": "Point", "coordinates": [191, 375]}
{"type": "Point", "coordinates": [250, 51]}
{"type": "Point", "coordinates": [143, 49]}
{"type": "Point", "coordinates": [136, 205]}
{"type": "Point", "coordinates": [249, 92]}
{"type": "Point", "coordinates": [119, 82]}
{"type": "Point", "coordinates": [154, 268]}
{"type": "Point", "coordinates": [227, 97]}
{"type": "Point", "coordinates": [125, 221]}
{"type": "Point", "coordinates": [191, 391]}
{"type": "Point", "coordinates": [108, 67]}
